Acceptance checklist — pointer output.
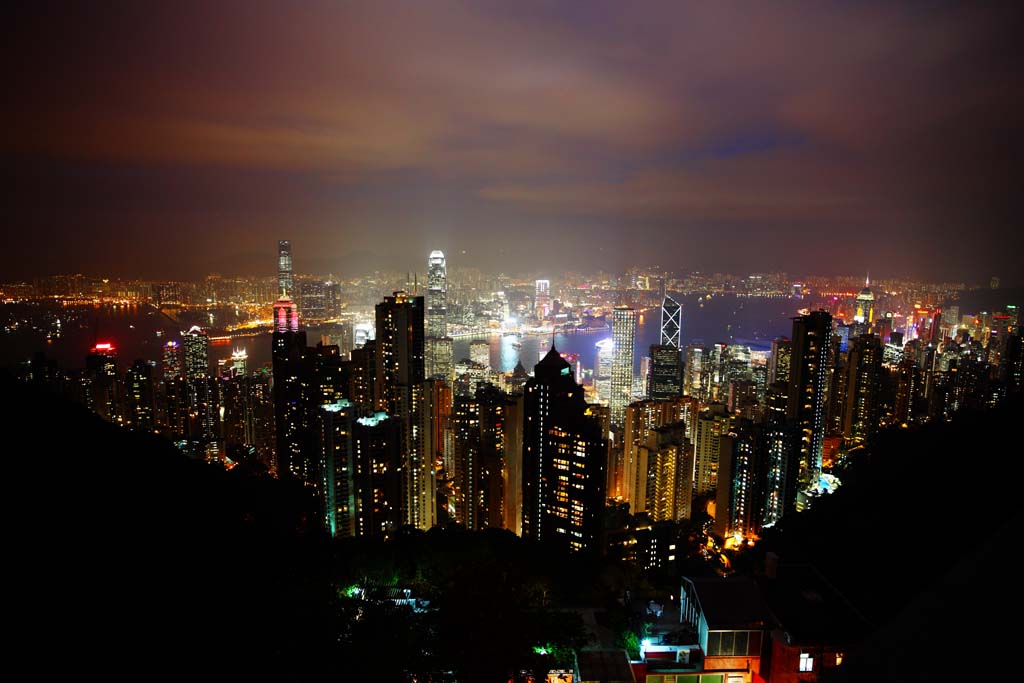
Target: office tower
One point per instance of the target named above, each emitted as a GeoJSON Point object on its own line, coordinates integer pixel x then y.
{"type": "Point", "coordinates": [437, 295]}
{"type": "Point", "coordinates": [738, 504]}
{"type": "Point", "coordinates": [736, 365]}
{"type": "Point", "coordinates": [778, 361]}
{"type": "Point", "coordinates": [808, 384]}
{"type": "Point", "coordinates": [671, 322]}
{"type": "Point", "coordinates": [666, 373]}
{"type": "Point", "coordinates": [293, 376]}
{"type": "Point", "coordinates": [172, 360]}
{"type": "Point", "coordinates": [480, 353]}
{"type": "Point", "coordinates": [313, 300]}
{"type": "Point", "coordinates": [468, 376]}
{"type": "Point", "coordinates": [712, 423]}
{"type": "Point", "coordinates": [865, 305]}
{"type": "Point", "coordinates": [102, 385]}
{"type": "Point", "coordinates": [197, 353]}
{"type": "Point", "coordinates": [341, 335]}
{"type": "Point", "coordinates": [623, 336]}
{"type": "Point", "coordinates": [377, 479]}
{"type": "Point", "coordinates": [542, 298]}
{"type": "Point", "coordinates": [564, 460]}
{"type": "Point", "coordinates": [399, 392]}
{"type": "Point", "coordinates": [285, 286]}
{"type": "Point", "coordinates": [439, 350]}
{"type": "Point", "coordinates": [140, 395]}
{"type": "Point", "coordinates": [693, 368]}
{"type": "Point", "coordinates": [712, 377]}
{"type": "Point", "coordinates": [239, 362]}
{"type": "Point", "coordinates": [862, 388]}
{"type": "Point", "coordinates": [335, 431]}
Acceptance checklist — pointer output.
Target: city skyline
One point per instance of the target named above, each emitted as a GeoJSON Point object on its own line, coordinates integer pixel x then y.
{"type": "Point", "coordinates": [170, 144]}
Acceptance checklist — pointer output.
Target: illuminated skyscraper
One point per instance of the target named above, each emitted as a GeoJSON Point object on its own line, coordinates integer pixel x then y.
{"type": "Point", "coordinates": [293, 378]}
{"type": "Point", "coordinates": [438, 349]}
{"type": "Point", "coordinates": [399, 392]}
{"type": "Point", "coordinates": [335, 426]}
{"type": "Point", "coordinates": [103, 388]}
{"type": "Point", "coordinates": [197, 353]}
{"type": "Point", "coordinates": [864, 375]}
{"type": "Point", "coordinates": [712, 424]}
{"type": "Point", "coordinates": [564, 460]}
{"type": "Point", "coordinates": [480, 352]}
{"type": "Point", "coordinates": [542, 298]}
{"type": "Point", "coordinates": [778, 361]}
{"type": "Point", "coordinates": [285, 284]}
{"type": "Point", "coordinates": [172, 360]}
{"type": "Point", "coordinates": [865, 305]}
{"type": "Point", "coordinates": [437, 295]}
{"type": "Point", "coordinates": [671, 322]}
{"type": "Point", "coordinates": [624, 337]}
{"type": "Point", "coordinates": [808, 384]}
{"type": "Point", "coordinates": [666, 373]}
{"type": "Point", "coordinates": [239, 361]}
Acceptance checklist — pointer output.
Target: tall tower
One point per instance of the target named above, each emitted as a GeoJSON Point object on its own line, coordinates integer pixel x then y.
{"type": "Point", "coordinates": [808, 384]}
{"type": "Point", "coordinates": [542, 298]}
{"type": "Point", "coordinates": [438, 346]}
{"type": "Point", "coordinates": [399, 392]}
{"type": "Point", "coordinates": [864, 370]}
{"type": "Point", "coordinates": [197, 353]}
{"type": "Point", "coordinates": [624, 337]}
{"type": "Point", "coordinates": [564, 460]}
{"type": "Point", "coordinates": [671, 322]}
{"type": "Point", "coordinates": [865, 304]}
{"type": "Point", "coordinates": [292, 374]}
{"type": "Point", "coordinates": [437, 295]}
{"type": "Point", "coordinates": [285, 284]}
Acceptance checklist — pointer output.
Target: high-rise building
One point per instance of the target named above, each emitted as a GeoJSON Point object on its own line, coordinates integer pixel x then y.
{"type": "Point", "coordinates": [172, 360]}
{"type": "Point", "coordinates": [666, 373]}
{"type": "Point", "coordinates": [671, 322]}
{"type": "Point", "coordinates": [738, 506]}
{"type": "Point", "coordinates": [808, 385]}
{"type": "Point", "coordinates": [197, 353]}
{"type": "Point", "coordinates": [378, 481]}
{"type": "Point", "coordinates": [102, 387]}
{"type": "Point", "coordinates": [781, 443]}
{"type": "Point", "coordinates": [863, 384]}
{"type": "Point", "coordinates": [293, 379]}
{"type": "Point", "coordinates": [285, 285]}
{"type": "Point", "coordinates": [692, 382]}
{"type": "Point", "coordinates": [712, 423]}
{"type": "Point", "coordinates": [437, 295]}
{"type": "Point", "coordinates": [542, 298]}
{"type": "Point", "coordinates": [512, 474]}
{"type": "Point", "coordinates": [140, 395]}
{"type": "Point", "coordinates": [335, 427]}
{"type": "Point", "coordinates": [778, 360]}
{"type": "Point", "coordinates": [865, 305]}
{"type": "Point", "coordinates": [239, 362]}
{"type": "Point", "coordinates": [400, 393]}
{"type": "Point", "coordinates": [624, 337]}
{"type": "Point", "coordinates": [313, 300]}
{"type": "Point", "coordinates": [439, 353]}
{"type": "Point", "coordinates": [480, 352]}
{"type": "Point", "coordinates": [564, 460]}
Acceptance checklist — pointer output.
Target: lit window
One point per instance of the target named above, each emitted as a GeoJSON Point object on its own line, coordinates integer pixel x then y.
{"type": "Point", "coordinates": [806, 662]}
{"type": "Point", "coordinates": [839, 658]}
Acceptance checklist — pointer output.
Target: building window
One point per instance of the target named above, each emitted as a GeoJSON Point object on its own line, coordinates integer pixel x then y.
{"type": "Point", "coordinates": [839, 658]}
{"type": "Point", "coordinates": [806, 662]}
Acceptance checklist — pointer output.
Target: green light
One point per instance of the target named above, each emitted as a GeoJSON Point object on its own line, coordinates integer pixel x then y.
{"type": "Point", "coordinates": [337, 406]}
{"type": "Point", "coordinates": [540, 650]}
{"type": "Point", "coordinates": [373, 421]}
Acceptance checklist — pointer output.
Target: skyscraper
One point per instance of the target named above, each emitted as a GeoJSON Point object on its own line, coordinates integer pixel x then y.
{"type": "Point", "coordinates": [671, 322]}
{"type": "Point", "coordinates": [197, 353]}
{"type": "Point", "coordinates": [808, 384]}
{"type": "Point", "coordinates": [542, 298]}
{"type": "Point", "coordinates": [285, 285]}
{"type": "Point", "coordinates": [172, 360]}
{"type": "Point", "coordinates": [863, 380]}
{"type": "Point", "coordinates": [439, 360]}
{"type": "Point", "coordinates": [666, 374]}
{"type": "Point", "coordinates": [865, 305]}
{"type": "Point", "coordinates": [437, 295]}
{"type": "Point", "coordinates": [292, 368]}
{"type": "Point", "coordinates": [399, 392]}
{"type": "Point", "coordinates": [564, 460]}
{"type": "Point", "coordinates": [624, 337]}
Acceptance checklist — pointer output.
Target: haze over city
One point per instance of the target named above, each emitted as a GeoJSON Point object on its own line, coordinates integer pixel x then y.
{"type": "Point", "coordinates": [169, 142]}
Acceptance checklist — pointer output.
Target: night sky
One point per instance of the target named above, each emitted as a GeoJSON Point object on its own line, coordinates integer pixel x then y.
{"type": "Point", "coordinates": [168, 140]}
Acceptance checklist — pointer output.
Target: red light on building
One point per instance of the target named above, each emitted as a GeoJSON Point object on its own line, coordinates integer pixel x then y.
{"type": "Point", "coordinates": [104, 347]}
